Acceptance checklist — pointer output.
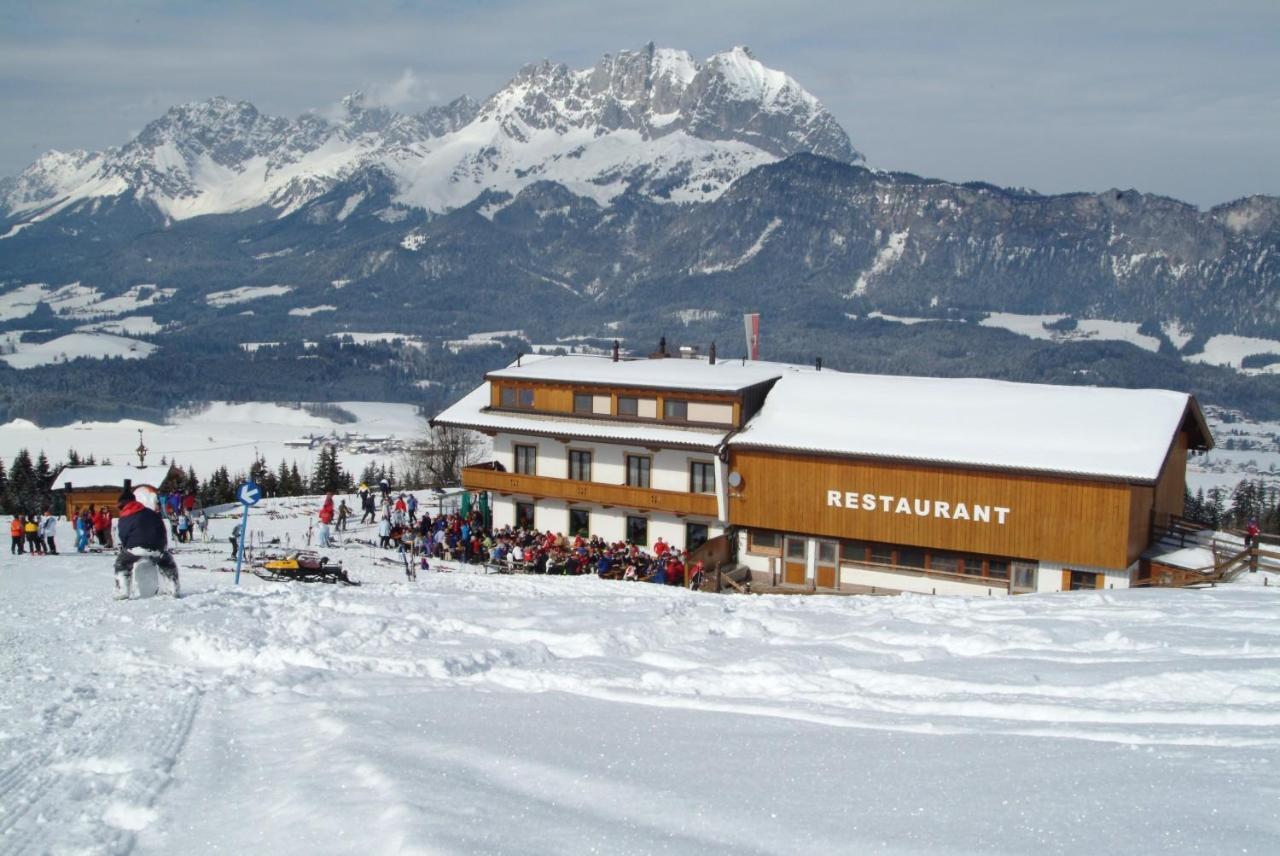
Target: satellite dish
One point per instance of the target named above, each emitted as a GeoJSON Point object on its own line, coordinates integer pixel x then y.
{"type": "Point", "coordinates": [735, 479]}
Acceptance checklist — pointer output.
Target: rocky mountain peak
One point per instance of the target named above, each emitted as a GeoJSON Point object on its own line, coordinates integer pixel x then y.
{"type": "Point", "coordinates": [651, 120]}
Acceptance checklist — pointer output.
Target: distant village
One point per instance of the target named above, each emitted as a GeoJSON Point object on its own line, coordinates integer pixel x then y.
{"type": "Point", "coordinates": [352, 443]}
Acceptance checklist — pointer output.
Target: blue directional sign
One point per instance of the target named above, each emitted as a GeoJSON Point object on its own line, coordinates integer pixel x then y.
{"type": "Point", "coordinates": [249, 493]}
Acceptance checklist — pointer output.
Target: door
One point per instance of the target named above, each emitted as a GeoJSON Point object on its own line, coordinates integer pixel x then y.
{"type": "Point", "coordinates": [825, 572]}
{"type": "Point", "coordinates": [793, 561]}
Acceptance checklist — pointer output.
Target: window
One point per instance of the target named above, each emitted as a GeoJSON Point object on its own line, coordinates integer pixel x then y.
{"type": "Point", "coordinates": [795, 549]}
{"type": "Point", "coordinates": [1024, 576]}
{"type": "Point", "coordinates": [702, 477]}
{"type": "Point", "coordinates": [580, 522]}
{"type": "Point", "coordinates": [997, 569]}
{"type": "Point", "coordinates": [944, 564]}
{"type": "Point", "coordinates": [579, 465]}
{"type": "Point", "coordinates": [638, 530]}
{"type": "Point", "coordinates": [853, 551]}
{"type": "Point", "coordinates": [1081, 580]}
{"type": "Point", "coordinates": [695, 535]}
{"type": "Point", "coordinates": [764, 542]}
{"type": "Point", "coordinates": [582, 402]}
{"type": "Point", "coordinates": [882, 554]}
{"type": "Point", "coordinates": [638, 468]}
{"type": "Point", "coordinates": [643, 408]}
{"type": "Point", "coordinates": [911, 557]}
{"type": "Point", "coordinates": [674, 408]}
{"type": "Point", "coordinates": [527, 460]}
{"type": "Point", "coordinates": [512, 396]}
{"type": "Point", "coordinates": [524, 515]}
{"type": "Point", "coordinates": [827, 552]}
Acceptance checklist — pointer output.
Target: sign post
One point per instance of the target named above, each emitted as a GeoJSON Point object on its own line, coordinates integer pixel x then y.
{"type": "Point", "coordinates": [248, 493]}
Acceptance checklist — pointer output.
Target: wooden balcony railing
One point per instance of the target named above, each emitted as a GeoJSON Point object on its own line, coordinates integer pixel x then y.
{"type": "Point", "coordinates": [608, 495]}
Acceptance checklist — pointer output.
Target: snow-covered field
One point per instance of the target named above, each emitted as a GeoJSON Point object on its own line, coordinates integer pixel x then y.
{"type": "Point", "coordinates": [223, 433]}
{"type": "Point", "coordinates": [497, 714]}
{"type": "Point", "coordinates": [1256, 453]}
{"type": "Point", "coordinates": [98, 346]}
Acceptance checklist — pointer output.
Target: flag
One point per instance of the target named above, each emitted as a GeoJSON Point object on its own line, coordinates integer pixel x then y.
{"type": "Point", "coordinates": [752, 324]}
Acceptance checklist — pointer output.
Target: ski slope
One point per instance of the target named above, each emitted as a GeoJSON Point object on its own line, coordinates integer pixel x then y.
{"type": "Point", "coordinates": [466, 713]}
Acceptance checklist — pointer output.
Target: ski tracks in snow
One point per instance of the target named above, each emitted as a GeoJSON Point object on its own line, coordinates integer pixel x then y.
{"type": "Point", "coordinates": [99, 723]}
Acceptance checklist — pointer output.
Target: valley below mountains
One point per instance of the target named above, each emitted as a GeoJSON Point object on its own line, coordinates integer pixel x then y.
{"type": "Point", "coordinates": [367, 254]}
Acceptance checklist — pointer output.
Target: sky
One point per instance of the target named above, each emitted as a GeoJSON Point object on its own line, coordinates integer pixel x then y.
{"type": "Point", "coordinates": [1170, 97]}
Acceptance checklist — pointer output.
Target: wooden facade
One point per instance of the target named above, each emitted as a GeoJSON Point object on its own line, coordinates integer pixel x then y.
{"type": "Point", "coordinates": [1055, 519]}
{"type": "Point", "coordinates": [91, 498]}
{"type": "Point", "coordinates": [557, 399]}
{"type": "Point", "coordinates": [607, 495]}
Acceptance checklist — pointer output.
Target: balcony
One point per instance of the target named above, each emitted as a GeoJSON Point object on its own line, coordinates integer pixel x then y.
{"type": "Point", "coordinates": [607, 495]}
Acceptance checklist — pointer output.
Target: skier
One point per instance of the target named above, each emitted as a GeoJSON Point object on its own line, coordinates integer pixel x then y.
{"type": "Point", "coordinates": [384, 532]}
{"type": "Point", "coordinates": [142, 535]}
{"type": "Point", "coordinates": [370, 512]}
{"type": "Point", "coordinates": [48, 528]}
{"type": "Point", "coordinates": [413, 509]}
{"type": "Point", "coordinates": [1251, 534]}
{"type": "Point", "coordinates": [31, 529]}
{"type": "Point", "coordinates": [326, 517]}
{"type": "Point", "coordinates": [235, 542]}
{"type": "Point", "coordinates": [16, 533]}
{"type": "Point", "coordinates": [343, 514]}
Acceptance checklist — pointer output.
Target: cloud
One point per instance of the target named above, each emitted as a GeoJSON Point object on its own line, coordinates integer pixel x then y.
{"type": "Point", "coordinates": [405, 92]}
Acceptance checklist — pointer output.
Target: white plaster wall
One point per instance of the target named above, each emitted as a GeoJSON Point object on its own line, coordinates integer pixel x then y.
{"type": "Point", "coordinates": [1050, 577]}
{"type": "Point", "coordinates": [504, 511]}
{"type": "Point", "coordinates": [890, 581]}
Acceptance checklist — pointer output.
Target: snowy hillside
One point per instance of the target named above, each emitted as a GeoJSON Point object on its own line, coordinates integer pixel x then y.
{"type": "Point", "coordinates": [653, 120]}
{"type": "Point", "coordinates": [497, 714]}
{"type": "Point", "coordinates": [223, 433]}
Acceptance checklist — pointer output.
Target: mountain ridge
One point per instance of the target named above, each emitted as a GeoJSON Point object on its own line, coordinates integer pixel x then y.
{"type": "Point", "coordinates": [638, 118]}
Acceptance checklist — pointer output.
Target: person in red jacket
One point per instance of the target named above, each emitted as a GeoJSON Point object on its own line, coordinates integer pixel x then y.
{"type": "Point", "coordinates": [102, 526]}
{"type": "Point", "coordinates": [326, 517]}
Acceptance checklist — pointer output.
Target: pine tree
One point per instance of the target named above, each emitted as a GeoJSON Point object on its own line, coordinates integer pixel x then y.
{"type": "Point", "coordinates": [23, 490]}
{"type": "Point", "coordinates": [44, 482]}
{"type": "Point", "coordinates": [282, 479]}
{"type": "Point", "coordinates": [73, 458]}
{"type": "Point", "coordinates": [4, 490]}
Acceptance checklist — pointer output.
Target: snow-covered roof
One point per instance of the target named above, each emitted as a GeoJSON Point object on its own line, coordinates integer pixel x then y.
{"type": "Point", "coordinates": [110, 476]}
{"type": "Point", "coordinates": [670, 373]}
{"type": "Point", "coordinates": [1076, 430]}
{"type": "Point", "coordinates": [471, 412]}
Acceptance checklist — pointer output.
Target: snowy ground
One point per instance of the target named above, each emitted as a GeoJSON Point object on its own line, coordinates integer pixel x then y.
{"type": "Point", "coordinates": [482, 714]}
{"type": "Point", "coordinates": [221, 433]}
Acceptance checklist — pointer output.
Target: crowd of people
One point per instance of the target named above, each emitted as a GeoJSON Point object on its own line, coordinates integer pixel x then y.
{"type": "Point", "coordinates": [34, 534]}
{"type": "Point", "coordinates": [464, 538]}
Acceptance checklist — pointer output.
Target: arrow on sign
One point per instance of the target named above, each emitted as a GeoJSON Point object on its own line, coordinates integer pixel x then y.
{"type": "Point", "coordinates": [249, 493]}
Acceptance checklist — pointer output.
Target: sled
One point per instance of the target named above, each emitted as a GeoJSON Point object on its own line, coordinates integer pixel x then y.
{"type": "Point", "coordinates": [146, 578]}
{"type": "Point", "coordinates": [304, 566]}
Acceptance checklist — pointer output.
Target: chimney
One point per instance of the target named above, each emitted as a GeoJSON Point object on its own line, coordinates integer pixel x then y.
{"type": "Point", "coordinates": [615, 350]}
{"type": "Point", "coordinates": [662, 346]}
{"type": "Point", "coordinates": [519, 357]}
{"type": "Point", "coordinates": [711, 354]}
{"type": "Point", "coordinates": [817, 363]}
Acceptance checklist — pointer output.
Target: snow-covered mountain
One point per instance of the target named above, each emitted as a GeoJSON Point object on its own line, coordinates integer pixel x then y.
{"type": "Point", "coordinates": [653, 121]}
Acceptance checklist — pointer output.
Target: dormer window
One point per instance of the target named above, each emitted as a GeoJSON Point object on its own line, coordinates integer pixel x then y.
{"type": "Point", "coordinates": [643, 408]}
{"type": "Point", "coordinates": [517, 397]}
